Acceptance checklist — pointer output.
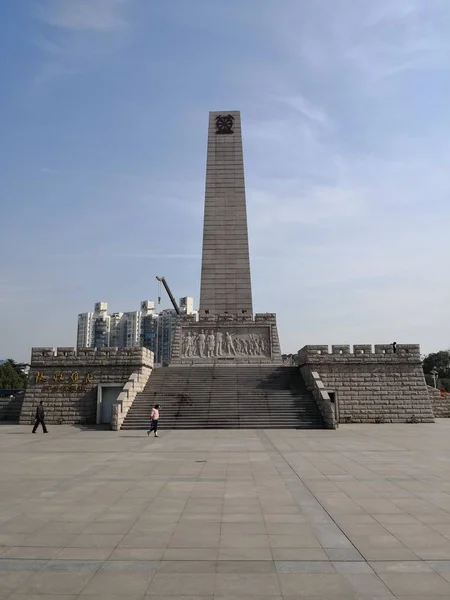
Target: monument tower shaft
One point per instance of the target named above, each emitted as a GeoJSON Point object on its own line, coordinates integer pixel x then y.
{"type": "Point", "coordinates": [225, 278]}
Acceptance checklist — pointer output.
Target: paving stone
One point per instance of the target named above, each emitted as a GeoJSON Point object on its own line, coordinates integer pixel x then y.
{"type": "Point", "coordinates": [54, 583]}
{"type": "Point", "coordinates": [416, 583]}
{"type": "Point", "coordinates": [246, 584]}
{"type": "Point", "coordinates": [245, 566]}
{"type": "Point", "coordinates": [118, 584]}
{"type": "Point", "coordinates": [83, 554]}
{"type": "Point", "coordinates": [410, 566]}
{"type": "Point", "coordinates": [304, 567]}
{"type": "Point", "coordinates": [136, 554]}
{"type": "Point", "coordinates": [187, 566]}
{"type": "Point", "coordinates": [11, 564]}
{"type": "Point", "coordinates": [182, 583]}
{"type": "Point", "coordinates": [314, 584]}
{"type": "Point", "coordinates": [73, 566]}
{"type": "Point", "coordinates": [410, 560]}
{"type": "Point", "coordinates": [31, 553]}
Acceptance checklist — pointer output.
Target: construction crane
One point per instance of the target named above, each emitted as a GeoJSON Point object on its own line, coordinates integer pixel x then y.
{"type": "Point", "coordinates": [169, 293]}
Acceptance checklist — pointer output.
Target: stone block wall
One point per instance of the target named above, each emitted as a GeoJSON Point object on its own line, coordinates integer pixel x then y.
{"type": "Point", "coordinates": [440, 402]}
{"type": "Point", "coordinates": [67, 380]}
{"type": "Point", "coordinates": [372, 386]}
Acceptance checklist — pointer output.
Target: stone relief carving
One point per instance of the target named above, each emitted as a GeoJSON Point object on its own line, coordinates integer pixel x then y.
{"type": "Point", "coordinates": [215, 344]}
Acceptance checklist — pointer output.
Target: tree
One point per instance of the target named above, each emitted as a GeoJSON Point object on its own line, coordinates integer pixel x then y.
{"type": "Point", "coordinates": [439, 362]}
{"type": "Point", "coordinates": [12, 378]}
{"type": "Point", "coordinates": [290, 358]}
{"type": "Point", "coordinates": [19, 368]}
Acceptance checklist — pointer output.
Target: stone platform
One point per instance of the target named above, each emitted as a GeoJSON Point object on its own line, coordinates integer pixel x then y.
{"type": "Point", "coordinates": [358, 513]}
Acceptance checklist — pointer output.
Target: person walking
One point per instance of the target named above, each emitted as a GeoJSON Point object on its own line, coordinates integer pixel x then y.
{"type": "Point", "coordinates": [40, 417]}
{"type": "Point", "coordinates": [154, 420]}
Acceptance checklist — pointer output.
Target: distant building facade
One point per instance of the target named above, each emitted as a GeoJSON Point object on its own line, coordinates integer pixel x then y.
{"type": "Point", "coordinates": [142, 327]}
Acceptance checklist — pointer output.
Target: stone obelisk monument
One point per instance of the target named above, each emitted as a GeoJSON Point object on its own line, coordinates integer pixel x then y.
{"type": "Point", "coordinates": [227, 332]}
{"type": "Point", "coordinates": [225, 284]}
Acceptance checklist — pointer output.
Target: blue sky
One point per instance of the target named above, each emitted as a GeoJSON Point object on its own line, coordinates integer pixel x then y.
{"type": "Point", "coordinates": [345, 111]}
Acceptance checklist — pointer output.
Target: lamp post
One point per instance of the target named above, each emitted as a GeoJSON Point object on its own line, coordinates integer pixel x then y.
{"type": "Point", "coordinates": [434, 374]}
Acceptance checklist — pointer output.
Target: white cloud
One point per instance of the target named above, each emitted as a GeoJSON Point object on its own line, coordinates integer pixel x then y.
{"type": "Point", "coordinates": [83, 15]}
{"type": "Point", "coordinates": [83, 34]}
{"type": "Point", "coordinates": [289, 203]}
{"type": "Point", "coordinates": [372, 40]}
{"type": "Point", "coordinates": [300, 104]}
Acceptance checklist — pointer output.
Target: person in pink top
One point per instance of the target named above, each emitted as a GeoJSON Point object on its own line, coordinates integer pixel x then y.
{"type": "Point", "coordinates": [154, 420]}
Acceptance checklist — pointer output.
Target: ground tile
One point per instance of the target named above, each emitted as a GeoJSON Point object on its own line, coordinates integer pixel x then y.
{"type": "Point", "coordinates": [304, 567]}
{"type": "Point", "coordinates": [244, 541]}
{"type": "Point", "coordinates": [165, 597]}
{"type": "Point", "coordinates": [344, 554]}
{"type": "Point", "coordinates": [12, 564]}
{"type": "Point", "coordinates": [12, 580]}
{"type": "Point", "coordinates": [416, 583]}
{"type": "Point", "coordinates": [83, 554]}
{"type": "Point", "coordinates": [48, 539]}
{"type": "Point", "coordinates": [107, 596]}
{"type": "Point", "coordinates": [119, 584]}
{"type": "Point", "coordinates": [106, 528]}
{"type": "Point", "coordinates": [96, 540]}
{"type": "Point", "coordinates": [62, 527]}
{"type": "Point", "coordinates": [299, 554]}
{"type": "Point", "coordinates": [246, 584]}
{"type": "Point", "coordinates": [136, 554]}
{"type": "Point", "coordinates": [293, 541]}
{"type": "Point", "coordinates": [245, 566]}
{"type": "Point", "coordinates": [395, 554]}
{"type": "Point", "coordinates": [73, 566]}
{"type": "Point", "coordinates": [15, 596]}
{"type": "Point", "coordinates": [367, 584]}
{"type": "Point", "coordinates": [197, 541]}
{"type": "Point", "coordinates": [129, 566]}
{"type": "Point", "coordinates": [314, 584]}
{"type": "Point", "coordinates": [191, 554]}
{"type": "Point", "coordinates": [418, 597]}
{"type": "Point", "coordinates": [245, 554]}
{"type": "Point", "coordinates": [182, 583]}
{"type": "Point", "coordinates": [187, 566]}
{"type": "Point", "coordinates": [434, 553]}
{"type": "Point", "coordinates": [55, 583]}
{"type": "Point", "coordinates": [440, 566]}
{"type": "Point", "coordinates": [409, 566]}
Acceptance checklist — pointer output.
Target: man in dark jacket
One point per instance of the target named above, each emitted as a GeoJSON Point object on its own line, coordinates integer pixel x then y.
{"type": "Point", "coordinates": [40, 417]}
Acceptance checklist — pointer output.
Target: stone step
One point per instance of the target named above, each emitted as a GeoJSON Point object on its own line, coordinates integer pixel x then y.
{"type": "Point", "coordinates": [204, 396]}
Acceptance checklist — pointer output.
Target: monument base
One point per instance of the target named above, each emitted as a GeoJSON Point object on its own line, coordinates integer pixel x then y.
{"type": "Point", "coordinates": [227, 340]}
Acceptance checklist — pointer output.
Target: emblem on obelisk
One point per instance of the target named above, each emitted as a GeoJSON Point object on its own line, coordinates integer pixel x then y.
{"type": "Point", "coordinates": [224, 124]}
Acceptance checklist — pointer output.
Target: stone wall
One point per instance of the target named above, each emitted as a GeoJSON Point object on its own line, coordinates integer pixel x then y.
{"type": "Point", "coordinates": [67, 380]}
{"type": "Point", "coordinates": [372, 386]}
{"type": "Point", "coordinates": [440, 402]}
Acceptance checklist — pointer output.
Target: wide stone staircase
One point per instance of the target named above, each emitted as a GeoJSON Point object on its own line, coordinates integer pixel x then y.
{"type": "Point", "coordinates": [10, 408]}
{"type": "Point", "coordinates": [201, 397]}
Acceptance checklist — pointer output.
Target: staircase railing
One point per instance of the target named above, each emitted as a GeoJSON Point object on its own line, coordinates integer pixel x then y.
{"type": "Point", "coordinates": [328, 409]}
{"type": "Point", "coordinates": [135, 384]}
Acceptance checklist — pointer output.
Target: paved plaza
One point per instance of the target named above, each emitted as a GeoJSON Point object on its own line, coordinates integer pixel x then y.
{"type": "Point", "coordinates": [358, 513]}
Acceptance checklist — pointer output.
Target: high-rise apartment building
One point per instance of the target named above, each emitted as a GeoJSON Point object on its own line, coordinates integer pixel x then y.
{"type": "Point", "coordinates": [85, 330]}
{"type": "Point", "coordinates": [130, 329]}
{"type": "Point", "coordinates": [117, 331]}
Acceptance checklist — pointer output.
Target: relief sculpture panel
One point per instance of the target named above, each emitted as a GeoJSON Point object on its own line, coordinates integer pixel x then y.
{"type": "Point", "coordinates": [224, 343]}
